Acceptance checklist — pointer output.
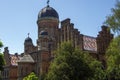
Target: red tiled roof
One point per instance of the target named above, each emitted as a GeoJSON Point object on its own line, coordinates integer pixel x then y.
{"type": "Point", "coordinates": [14, 59]}
{"type": "Point", "coordinates": [89, 43]}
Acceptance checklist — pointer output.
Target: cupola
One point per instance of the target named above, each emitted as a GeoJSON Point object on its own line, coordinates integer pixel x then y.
{"type": "Point", "coordinates": [48, 13]}
{"type": "Point", "coordinates": [28, 40]}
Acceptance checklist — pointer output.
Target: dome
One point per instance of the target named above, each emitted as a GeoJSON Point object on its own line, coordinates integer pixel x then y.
{"type": "Point", "coordinates": [48, 12]}
{"type": "Point", "coordinates": [28, 40]}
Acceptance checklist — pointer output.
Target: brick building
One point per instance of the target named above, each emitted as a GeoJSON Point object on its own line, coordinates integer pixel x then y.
{"type": "Point", "coordinates": [50, 35]}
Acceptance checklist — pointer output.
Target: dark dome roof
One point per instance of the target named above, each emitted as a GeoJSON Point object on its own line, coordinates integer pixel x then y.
{"type": "Point", "coordinates": [43, 33]}
{"type": "Point", "coordinates": [48, 12]}
{"type": "Point", "coordinates": [28, 40]}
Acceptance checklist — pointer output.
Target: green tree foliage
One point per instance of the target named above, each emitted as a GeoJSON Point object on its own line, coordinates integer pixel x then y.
{"type": "Point", "coordinates": [1, 58]}
{"type": "Point", "coordinates": [113, 59]}
{"type": "Point", "coordinates": [1, 61]}
{"type": "Point", "coordinates": [31, 76]}
{"type": "Point", "coordinates": [1, 45]}
{"type": "Point", "coordinates": [72, 64]}
{"type": "Point", "coordinates": [96, 66]}
{"type": "Point", "coordinates": [43, 76]}
{"type": "Point", "coordinates": [113, 52]}
{"type": "Point", "coordinates": [113, 20]}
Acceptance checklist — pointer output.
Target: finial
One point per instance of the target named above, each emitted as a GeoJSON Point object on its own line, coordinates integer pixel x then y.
{"type": "Point", "coordinates": [48, 1]}
{"type": "Point", "coordinates": [28, 34]}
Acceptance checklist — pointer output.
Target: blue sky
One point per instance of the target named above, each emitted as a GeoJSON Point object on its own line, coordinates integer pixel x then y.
{"type": "Point", "coordinates": [18, 17]}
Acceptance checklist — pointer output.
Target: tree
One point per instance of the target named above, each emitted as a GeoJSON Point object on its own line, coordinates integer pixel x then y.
{"type": "Point", "coordinates": [113, 20]}
{"type": "Point", "coordinates": [113, 59]}
{"type": "Point", "coordinates": [1, 61]}
{"type": "Point", "coordinates": [96, 67]}
{"type": "Point", "coordinates": [1, 45]}
{"type": "Point", "coordinates": [31, 76]}
{"type": "Point", "coordinates": [1, 58]}
{"type": "Point", "coordinates": [71, 64]}
{"type": "Point", "coordinates": [113, 52]}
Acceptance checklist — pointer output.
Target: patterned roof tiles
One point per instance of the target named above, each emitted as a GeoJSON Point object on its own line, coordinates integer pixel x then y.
{"type": "Point", "coordinates": [89, 43]}
{"type": "Point", "coordinates": [14, 59]}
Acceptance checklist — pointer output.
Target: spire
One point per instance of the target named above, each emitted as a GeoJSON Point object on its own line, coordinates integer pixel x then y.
{"type": "Point", "coordinates": [48, 1]}
{"type": "Point", "coordinates": [28, 34]}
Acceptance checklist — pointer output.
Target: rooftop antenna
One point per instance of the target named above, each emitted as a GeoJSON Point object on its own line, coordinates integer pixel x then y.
{"type": "Point", "coordinates": [48, 1]}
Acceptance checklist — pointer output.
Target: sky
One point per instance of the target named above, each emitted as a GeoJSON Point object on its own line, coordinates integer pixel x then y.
{"type": "Point", "coordinates": [18, 18]}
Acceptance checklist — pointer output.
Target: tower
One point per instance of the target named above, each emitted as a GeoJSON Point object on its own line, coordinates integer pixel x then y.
{"type": "Point", "coordinates": [48, 21]}
{"type": "Point", "coordinates": [28, 44]}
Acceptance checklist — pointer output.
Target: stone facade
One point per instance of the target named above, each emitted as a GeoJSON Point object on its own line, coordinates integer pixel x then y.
{"type": "Point", "coordinates": [37, 58]}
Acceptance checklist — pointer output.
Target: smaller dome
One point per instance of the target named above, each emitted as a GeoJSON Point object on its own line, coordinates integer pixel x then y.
{"type": "Point", "coordinates": [43, 33]}
{"type": "Point", "coordinates": [28, 39]}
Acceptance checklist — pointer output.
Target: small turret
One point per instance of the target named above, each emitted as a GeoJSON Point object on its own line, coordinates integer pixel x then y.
{"type": "Point", "coordinates": [28, 41]}
{"type": "Point", "coordinates": [6, 56]}
{"type": "Point", "coordinates": [28, 45]}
